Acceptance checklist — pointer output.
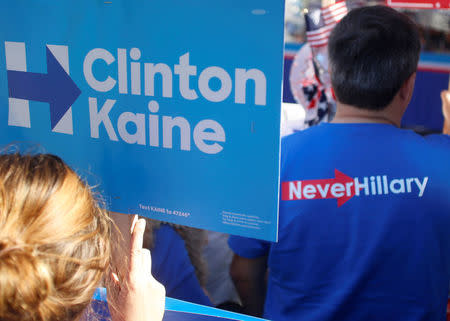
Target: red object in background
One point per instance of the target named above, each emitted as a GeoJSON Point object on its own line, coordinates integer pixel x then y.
{"type": "Point", "coordinates": [419, 4]}
{"type": "Point", "coordinates": [448, 310]}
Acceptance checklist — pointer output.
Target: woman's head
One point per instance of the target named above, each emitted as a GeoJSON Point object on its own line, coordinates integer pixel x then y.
{"type": "Point", "coordinates": [54, 240]}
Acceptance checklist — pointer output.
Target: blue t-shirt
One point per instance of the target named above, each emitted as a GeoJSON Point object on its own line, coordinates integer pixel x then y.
{"type": "Point", "coordinates": [172, 267]}
{"type": "Point", "coordinates": [380, 251]}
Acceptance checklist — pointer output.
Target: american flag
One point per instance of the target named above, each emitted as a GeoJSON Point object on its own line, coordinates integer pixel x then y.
{"type": "Point", "coordinates": [320, 23]}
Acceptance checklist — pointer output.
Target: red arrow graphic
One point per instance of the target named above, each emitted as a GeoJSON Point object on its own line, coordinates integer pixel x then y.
{"type": "Point", "coordinates": [341, 187]}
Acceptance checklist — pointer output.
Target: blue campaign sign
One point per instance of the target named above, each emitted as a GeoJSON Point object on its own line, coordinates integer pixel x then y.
{"type": "Point", "coordinates": [172, 107]}
{"type": "Point", "coordinates": [175, 310]}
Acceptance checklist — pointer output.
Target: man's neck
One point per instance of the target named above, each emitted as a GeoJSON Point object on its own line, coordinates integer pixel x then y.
{"type": "Point", "coordinates": [350, 114]}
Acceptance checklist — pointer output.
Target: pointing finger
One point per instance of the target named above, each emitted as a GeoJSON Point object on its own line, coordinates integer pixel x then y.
{"type": "Point", "coordinates": [137, 239]}
{"type": "Point", "coordinates": [146, 261]}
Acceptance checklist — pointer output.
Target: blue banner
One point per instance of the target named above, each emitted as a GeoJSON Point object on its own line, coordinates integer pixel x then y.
{"type": "Point", "coordinates": [175, 310]}
{"type": "Point", "coordinates": [171, 107]}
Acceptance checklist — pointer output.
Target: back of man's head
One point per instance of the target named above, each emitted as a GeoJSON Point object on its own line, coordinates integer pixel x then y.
{"type": "Point", "coordinates": [372, 52]}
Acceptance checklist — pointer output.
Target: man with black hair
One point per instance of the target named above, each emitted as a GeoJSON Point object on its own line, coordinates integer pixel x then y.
{"type": "Point", "coordinates": [364, 227]}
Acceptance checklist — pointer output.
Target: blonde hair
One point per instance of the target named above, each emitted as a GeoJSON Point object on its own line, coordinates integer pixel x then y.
{"type": "Point", "coordinates": [54, 240]}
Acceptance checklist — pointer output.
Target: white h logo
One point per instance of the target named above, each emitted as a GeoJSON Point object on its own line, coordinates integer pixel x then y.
{"type": "Point", "coordinates": [19, 109]}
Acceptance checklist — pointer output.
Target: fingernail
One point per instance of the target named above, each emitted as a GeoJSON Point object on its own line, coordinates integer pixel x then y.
{"type": "Point", "coordinates": [142, 223]}
{"type": "Point", "coordinates": [133, 224]}
{"type": "Point", "coordinates": [115, 277]}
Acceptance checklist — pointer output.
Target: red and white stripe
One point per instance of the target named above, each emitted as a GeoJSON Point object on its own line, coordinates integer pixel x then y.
{"type": "Point", "coordinates": [331, 15]}
{"type": "Point", "coordinates": [334, 13]}
{"type": "Point", "coordinates": [319, 37]}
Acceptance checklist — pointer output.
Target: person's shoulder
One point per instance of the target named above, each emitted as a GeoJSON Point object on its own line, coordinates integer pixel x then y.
{"type": "Point", "coordinates": [169, 256]}
{"type": "Point", "coordinates": [248, 247]}
{"type": "Point", "coordinates": [167, 231]}
{"type": "Point", "coordinates": [430, 145]}
{"type": "Point", "coordinates": [168, 240]}
{"type": "Point", "coordinates": [302, 139]}
{"type": "Point", "coordinates": [421, 142]}
{"type": "Point", "coordinates": [439, 141]}
{"type": "Point", "coordinates": [303, 135]}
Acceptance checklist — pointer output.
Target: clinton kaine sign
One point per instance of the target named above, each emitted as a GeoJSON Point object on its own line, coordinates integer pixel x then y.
{"type": "Point", "coordinates": [164, 103]}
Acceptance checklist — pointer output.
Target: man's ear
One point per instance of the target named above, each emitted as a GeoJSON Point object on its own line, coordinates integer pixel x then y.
{"type": "Point", "coordinates": [407, 89]}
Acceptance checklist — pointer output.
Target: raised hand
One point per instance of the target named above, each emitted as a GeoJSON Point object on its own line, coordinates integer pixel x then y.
{"type": "Point", "coordinates": [139, 297]}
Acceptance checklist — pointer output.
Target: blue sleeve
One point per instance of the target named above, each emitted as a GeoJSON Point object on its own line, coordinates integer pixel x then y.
{"type": "Point", "coordinates": [172, 267]}
{"type": "Point", "coordinates": [248, 248]}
